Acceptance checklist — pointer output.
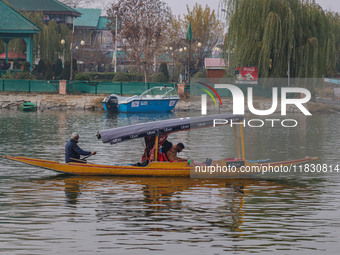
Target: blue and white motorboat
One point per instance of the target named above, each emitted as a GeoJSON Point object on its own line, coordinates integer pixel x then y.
{"type": "Point", "coordinates": [156, 99]}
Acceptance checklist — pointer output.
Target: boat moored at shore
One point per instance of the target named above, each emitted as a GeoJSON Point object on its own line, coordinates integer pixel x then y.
{"type": "Point", "coordinates": [156, 99]}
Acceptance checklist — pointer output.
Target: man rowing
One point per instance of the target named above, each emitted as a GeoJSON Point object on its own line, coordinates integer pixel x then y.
{"type": "Point", "coordinates": [73, 151]}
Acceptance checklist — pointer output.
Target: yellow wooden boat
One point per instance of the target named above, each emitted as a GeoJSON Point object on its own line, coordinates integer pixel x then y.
{"type": "Point", "coordinates": [175, 169]}
{"type": "Point", "coordinates": [158, 132]}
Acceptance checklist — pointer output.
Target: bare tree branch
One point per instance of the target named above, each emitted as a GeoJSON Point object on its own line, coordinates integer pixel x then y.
{"type": "Point", "coordinates": [142, 23]}
{"type": "Point", "coordinates": [79, 3]}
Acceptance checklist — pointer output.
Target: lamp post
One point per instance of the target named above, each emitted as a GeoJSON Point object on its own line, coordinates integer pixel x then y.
{"type": "Point", "coordinates": [71, 48]}
{"type": "Point", "coordinates": [217, 51]}
{"type": "Point", "coordinates": [80, 56]}
{"type": "Point", "coordinates": [173, 61]}
{"type": "Point", "coordinates": [62, 42]}
{"type": "Point", "coordinates": [288, 73]}
{"type": "Point", "coordinates": [188, 65]}
{"type": "Point", "coordinates": [189, 60]}
{"type": "Point", "coordinates": [115, 50]}
{"type": "Point", "coordinates": [199, 56]}
{"type": "Point", "coordinates": [228, 51]}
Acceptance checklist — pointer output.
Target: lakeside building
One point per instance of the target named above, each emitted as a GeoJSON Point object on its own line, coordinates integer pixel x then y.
{"type": "Point", "coordinates": [215, 67]}
{"type": "Point", "coordinates": [14, 25]}
{"type": "Point", "coordinates": [91, 28]}
{"type": "Point", "coordinates": [51, 10]}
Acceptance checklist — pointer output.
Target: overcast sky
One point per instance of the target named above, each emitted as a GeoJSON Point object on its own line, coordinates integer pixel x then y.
{"type": "Point", "coordinates": [178, 7]}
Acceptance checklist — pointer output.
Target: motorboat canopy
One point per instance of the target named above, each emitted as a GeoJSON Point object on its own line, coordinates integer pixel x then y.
{"type": "Point", "coordinates": [121, 134]}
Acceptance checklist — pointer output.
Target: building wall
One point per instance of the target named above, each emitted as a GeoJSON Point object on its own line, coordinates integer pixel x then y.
{"type": "Point", "coordinates": [215, 73]}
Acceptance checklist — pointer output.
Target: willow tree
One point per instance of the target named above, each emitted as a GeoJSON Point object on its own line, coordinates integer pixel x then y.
{"type": "Point", "coordinates": [46, 44]}
{"type": "Point", "coordinates": [280, 36]}
{"type": "Point", "coordinates": [335, 18]}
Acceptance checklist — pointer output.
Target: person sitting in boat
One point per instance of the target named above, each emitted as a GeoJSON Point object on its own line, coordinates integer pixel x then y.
{"type": "Point", "coordinates": [73, 151]}
{"type": "Point", "coordinates": [163, 150]}
{"type": "Point", "coordinates": [172, 153]}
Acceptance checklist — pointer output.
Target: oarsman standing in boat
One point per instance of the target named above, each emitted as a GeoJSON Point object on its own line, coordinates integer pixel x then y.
{"type": "Point", "coordinates": [73, 151]}
{"type": "Point", "coordinates": [172, 153]}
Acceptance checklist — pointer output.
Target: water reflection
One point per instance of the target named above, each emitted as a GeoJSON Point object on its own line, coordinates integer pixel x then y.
{"type": "Point", "coordinates": [240, 215]}
{"type": "Point", "coordinates": [124, 119]}
{"type": "Point", "coordinates": [46, 214]}
{"type": "Point", "coordinates": [233, 206]}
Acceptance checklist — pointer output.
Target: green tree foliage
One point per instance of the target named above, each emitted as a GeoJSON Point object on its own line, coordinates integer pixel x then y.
{"type": "Point", "coordinates": [159, 77]}
{"type": "Point", "coordinates": [75, 66]}
{"type": "Point", "coordinates": [41, 69]}
{"type": "Point", "coordinates": [58, 69]}
{"type": "Point", "coordinates": [199, 75]}
{"type": "Point", "coordinates": [50, 42]}
{"type": "Point", "coordinates": [275, 34]}
{"type": "Point", "coordinates": [27, 66]}
{"type": "Point", "coordinates": [66, 71]}
{"type": "Point", "coordinates": [17, 45]}
{"type": "Point", "coordinates": [163, 68]}
{"type": "Point", "coordinates": [95, 76]}
{"type": "Point", "coordinates": [49, 71]}
{"type": "Point", "coordinates": [82, 77]}
{"type": "Point", "coordinates": [16, 65]}
{"type": "Point", "coordinates": [121, 77]}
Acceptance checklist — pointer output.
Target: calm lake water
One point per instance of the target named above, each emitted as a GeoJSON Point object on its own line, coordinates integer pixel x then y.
{"type": "Point", "coordinates": [42, 212]}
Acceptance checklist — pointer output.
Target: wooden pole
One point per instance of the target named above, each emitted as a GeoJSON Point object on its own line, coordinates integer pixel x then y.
{"type": "Point", "coordinates": [71, 47]}
{"type": "Point", "coordinates": [237, 145]}
{"type": "Point", "coordinates": [115, 53]}
{"type": "Point", "coordinates": [189, 60]}
{"type": "Point", "coordinates": [242, 142]}
{"type": "Point", "coordinates": [6, 52]}
{"type": "Point", "coordinates": [156, 148]}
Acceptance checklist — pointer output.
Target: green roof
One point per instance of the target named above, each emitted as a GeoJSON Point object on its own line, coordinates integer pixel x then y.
{"type": "Point", "coordinates": [89, 18]}
{"type": "Point", "coordinates": [102, 23]}
{"type": "Point", "coordinates": [42, 5]}
{"type": "Point", "coordinates": [13, 22]}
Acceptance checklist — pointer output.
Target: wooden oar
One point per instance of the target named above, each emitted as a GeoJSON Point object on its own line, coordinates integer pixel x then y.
{"type": "Point", "coordinates": [78, 160]}
{"type": "Point", "coordinates": [82, 160]}
{"type": "Point", "coordinates": [86, 157]}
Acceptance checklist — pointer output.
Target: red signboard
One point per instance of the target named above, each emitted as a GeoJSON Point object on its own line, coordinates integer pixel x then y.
{"type": "Point", "coordinates": [246, 75]}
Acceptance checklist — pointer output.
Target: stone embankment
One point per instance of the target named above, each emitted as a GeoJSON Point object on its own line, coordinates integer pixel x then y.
{"type": "Point", "coordinates": [52, 101]}
{"type": "Point", "coordinates": [93, 102]}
